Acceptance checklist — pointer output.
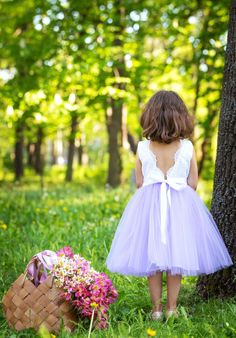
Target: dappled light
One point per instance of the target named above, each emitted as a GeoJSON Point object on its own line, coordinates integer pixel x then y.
{"type": "Point", "coordinates": [90, 168]}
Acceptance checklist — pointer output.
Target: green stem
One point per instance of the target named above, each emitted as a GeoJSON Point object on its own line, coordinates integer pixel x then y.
{"type": "Point", "coordinates": [91, 324]}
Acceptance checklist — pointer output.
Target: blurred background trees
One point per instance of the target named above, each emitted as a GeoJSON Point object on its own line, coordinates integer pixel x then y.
{"type": "Point", "coordinates": [74, 76]}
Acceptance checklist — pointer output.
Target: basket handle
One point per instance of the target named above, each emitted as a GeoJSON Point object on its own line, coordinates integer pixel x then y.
{"type": "Point", "coordinates": [52, 281]}
{"type": "Point", "coordinates": [36, 270]}
{"type": "Point", "coordinates": [33, 260]}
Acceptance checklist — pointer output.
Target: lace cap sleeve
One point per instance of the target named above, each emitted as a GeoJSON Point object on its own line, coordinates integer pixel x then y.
{"type": "Point", "coordinates": [190, 149]}
{"type": "Point", "coordinates": [141, 149]}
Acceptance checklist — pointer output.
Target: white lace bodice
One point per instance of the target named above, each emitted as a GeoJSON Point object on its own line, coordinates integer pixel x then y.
{"type": "Point", "coordinates": [176, 176]}
{"type": "Point", "coordinates": [152, 173]}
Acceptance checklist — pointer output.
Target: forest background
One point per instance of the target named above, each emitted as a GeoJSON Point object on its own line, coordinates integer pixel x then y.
{"type": "Point", "coordinates": [74, 78]}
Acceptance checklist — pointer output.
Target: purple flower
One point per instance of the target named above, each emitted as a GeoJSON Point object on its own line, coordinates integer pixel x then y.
{"type": "Point", "coordinates": [84, 287]}
{"type": "Point", "coordinates": [67, 251]}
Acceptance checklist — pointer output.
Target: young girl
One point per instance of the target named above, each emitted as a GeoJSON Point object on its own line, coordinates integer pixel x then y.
{"type": "Point", "coordinates": [166, 226]}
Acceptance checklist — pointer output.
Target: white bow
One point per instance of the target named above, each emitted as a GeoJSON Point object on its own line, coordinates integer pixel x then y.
{"type": "Point", "coordinates": [177, 183]}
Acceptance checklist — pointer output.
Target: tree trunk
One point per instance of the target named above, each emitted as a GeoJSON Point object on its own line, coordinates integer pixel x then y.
{"type": "Point", "coordinates": [114, 127]}
{"type": "Point", "coordinates": [114, 119]}
{"type": "Point", "coordinates": [124, 129]}
{"type": "Point", "coordinates": [209, 129]}
{"type": "Point", "coordinates": [80, 152]}
{"type": "Point", "coordinates": [30, 154]}
{"type": "Point", "coordinates": [71, 148]}
{"type": "Point", "coordinates": [132, 143]}
{"type": "Point", "coordinates": [53, 156]}
{"type": "Point", "coordinates": [19, 144]}
{"type": "Point", "coordinates": [38, 152]}
{"type": "Point", "coordinates": [223, 282]}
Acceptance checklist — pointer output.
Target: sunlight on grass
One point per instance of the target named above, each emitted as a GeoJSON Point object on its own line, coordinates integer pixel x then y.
{"type": "Point", "coordinates": [85, 217]}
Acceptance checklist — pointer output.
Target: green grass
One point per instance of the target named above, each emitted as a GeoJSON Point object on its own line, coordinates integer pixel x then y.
{"type": "Point", "coordinates": [85, 217]}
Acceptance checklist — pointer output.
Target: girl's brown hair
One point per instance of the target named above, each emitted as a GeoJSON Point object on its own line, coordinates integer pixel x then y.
{"type": "Point", "coordinates": [165, 118]}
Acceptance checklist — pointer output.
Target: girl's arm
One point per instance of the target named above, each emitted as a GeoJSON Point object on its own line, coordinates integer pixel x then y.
{"type": "Point", "coordinates": [138, 173]}
{"type": "Point", "coordinates": [192, 179]}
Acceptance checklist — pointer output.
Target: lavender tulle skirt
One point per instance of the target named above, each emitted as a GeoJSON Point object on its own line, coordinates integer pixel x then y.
{"type": "Point", "coordinates": [194, 244]}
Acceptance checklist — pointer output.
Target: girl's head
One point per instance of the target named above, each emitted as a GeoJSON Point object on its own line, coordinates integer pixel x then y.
{"type": "Point", "coordinates": [165, 118]}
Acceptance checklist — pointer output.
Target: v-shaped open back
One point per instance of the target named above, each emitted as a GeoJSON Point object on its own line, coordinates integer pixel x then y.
{"type": "Point", "coordinates": [155, 156]}
{"type": "Point", "coordinates": [150, 168]}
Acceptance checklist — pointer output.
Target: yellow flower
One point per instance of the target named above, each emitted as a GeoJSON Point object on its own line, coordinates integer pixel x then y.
{"type": "Point", "coordinates": [3, 226]}
{"type": "Point", "coordinates": [151, 332]}
{"type": "Point", "coordinates": [53, 335]}
{"type": "Point", "coordinates": [43, 332]}
{"type": "Point", "coordinates": [94, 305]}
{"type": "Point", "coordinates": [65, 209]}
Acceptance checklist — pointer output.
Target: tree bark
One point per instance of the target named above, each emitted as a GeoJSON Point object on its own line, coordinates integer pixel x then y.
{"type": "Point", "coordinates": [209, 129]}
{"type": "Point", "coordinates": [19, 144]}
{"type": "Point", "coordinates": [80, 153]}
{"type": "Point", "coordinates": [71, 148]}
{"type": "Point", "coordinates": [114, 127]}
{"type": "Point", "coordinates": [38, 152]}
{"type": "Point", "coordinates": [223, 282]}
{"type": "Point", "coordinates": [114, 120]}
{"type": "Point", "coordinates": [132, 143]}
{"type": "Point", "coordinates": [30, 154]}
{"type": "Point", "coordinates": [53, 156]}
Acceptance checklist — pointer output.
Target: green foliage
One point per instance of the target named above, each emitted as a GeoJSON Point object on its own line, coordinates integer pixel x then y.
{"type": "Point", "coordinates": [65, 57]}
{"type": "Point", "coordinates": [61, 60]}
{"type": "Point", "coordinates": [85, 217]}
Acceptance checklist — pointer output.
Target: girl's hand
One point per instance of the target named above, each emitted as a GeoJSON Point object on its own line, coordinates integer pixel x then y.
{"type": "Point", "coordinates": [192, 179]}
{"type": "Point", "coordinates": [138, 173]}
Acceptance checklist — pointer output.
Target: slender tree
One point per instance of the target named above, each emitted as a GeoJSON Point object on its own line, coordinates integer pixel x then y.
{"type": "Point", "coordinates": [223, 282]}
{"type": "Point", "coordinates": [19, 144]}
{"type": "Point", "coordinates": [71, 147]}
{"type": "Point", "coordinates": [38, 151]}
{"type": "Point", "coordinates": [114, 121]}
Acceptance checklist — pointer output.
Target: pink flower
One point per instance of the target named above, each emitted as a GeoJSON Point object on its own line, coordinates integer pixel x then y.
{"type": "Point", "coordinates": [67, 251]}
{"type": "Point", "coordinates": [83, 286]}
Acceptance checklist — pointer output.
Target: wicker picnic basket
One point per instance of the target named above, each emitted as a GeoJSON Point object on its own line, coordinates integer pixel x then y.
{"type": "Point", "coordinates": [27, 306]}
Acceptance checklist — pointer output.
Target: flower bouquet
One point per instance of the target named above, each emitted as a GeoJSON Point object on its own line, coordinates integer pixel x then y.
{"type": "Point", "coordinates": [58, 286]}
{"type": "Point", "coordinates": [90, 292]}
{"type": "Point", "coordinates": [33, 300]}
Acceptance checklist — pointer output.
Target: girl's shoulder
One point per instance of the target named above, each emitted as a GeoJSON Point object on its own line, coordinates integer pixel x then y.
{"type": "Point", "coordinates": [143, 143]}
{"type": "Point", "coordinates": [142, 147]}
{"type": "Point", "coordinates": [188, 147]}
{"type": "Point", "coordinates": [185, 141]}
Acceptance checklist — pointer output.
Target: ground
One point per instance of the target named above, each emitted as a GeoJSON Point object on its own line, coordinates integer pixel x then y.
{"type": "Point", "coordinates": [85, 217]}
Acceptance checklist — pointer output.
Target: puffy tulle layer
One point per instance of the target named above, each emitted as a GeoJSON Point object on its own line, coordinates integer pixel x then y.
{"type": "Point", "coordinates": [194, 244]}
